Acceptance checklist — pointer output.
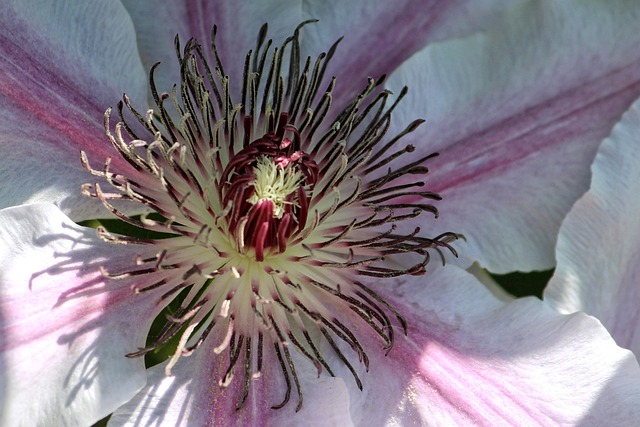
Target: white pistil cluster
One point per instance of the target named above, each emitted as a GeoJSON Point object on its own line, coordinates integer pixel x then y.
{"type": "Point", "coordinates": [274, 183]}
{"type": "Point", "coordinates": [272, 213]}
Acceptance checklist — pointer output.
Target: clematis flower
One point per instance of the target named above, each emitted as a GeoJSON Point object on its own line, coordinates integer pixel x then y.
{"type": "Point", "coordinates": [597, 250]}
{"type": "Point", "coordinates": [238, 198]}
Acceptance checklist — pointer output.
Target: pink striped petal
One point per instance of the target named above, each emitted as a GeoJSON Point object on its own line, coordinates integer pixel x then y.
{"type": "Point", "coordinates": [517, 114]}
{"type": "Point", "coordinates": [472, 360]}
{"type": "Point", "coordinates": [238, 23]}
{"type": "Point", "coordinates": [62, 64]}
{"type": "Point", "coordinates": [598, 248]}
{"type": "Point", "coordinates": [468, 359]}
{"type": "Point", "coordinates": [64, 330]}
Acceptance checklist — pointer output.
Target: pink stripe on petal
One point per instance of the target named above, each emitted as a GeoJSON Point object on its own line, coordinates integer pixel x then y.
{"type": "Point", "coordinates": [472, 360]}
{"type": "Point", "coordinates": [517, 115]}
{"type": "Point", "coordinates": [535, 161]}
{"type": "Point", "coordinates": [60, 69]}
{"type": "Point", "coordinates": [64, 329]}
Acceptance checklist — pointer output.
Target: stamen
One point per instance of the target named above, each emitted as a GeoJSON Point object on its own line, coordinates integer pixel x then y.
{"type": "Point", "coordinates": [181, 345]}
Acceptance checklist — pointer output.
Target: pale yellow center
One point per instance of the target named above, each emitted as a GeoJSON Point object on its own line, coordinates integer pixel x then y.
{"type": "Point", "coordinates": [274, 183]}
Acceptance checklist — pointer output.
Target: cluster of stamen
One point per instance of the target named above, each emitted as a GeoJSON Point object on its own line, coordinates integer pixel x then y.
{"type": "Point", "coordinates": [272, 210]}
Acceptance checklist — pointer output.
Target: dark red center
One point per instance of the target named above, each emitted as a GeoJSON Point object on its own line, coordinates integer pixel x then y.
{"type": "Point", "coordinates": [256, 223]}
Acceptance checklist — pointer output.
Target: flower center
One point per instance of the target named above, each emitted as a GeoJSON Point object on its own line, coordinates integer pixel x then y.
{"type": "Point", "coordinates": [267, 187]}
{"type": "Point", "coordinates": [280, 214]}
{"type": "Point", "coordinates": [274, 185]}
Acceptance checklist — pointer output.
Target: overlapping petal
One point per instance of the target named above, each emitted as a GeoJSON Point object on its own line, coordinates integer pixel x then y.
{"type": "Point", "coordinates": [468, 359]}
{"type": "Point", "coordinates": [380, 35]}
{"type": "Point", "coordinates": [598, 249]}
{"type": "Point", "coordinates": [64, 331]}
{"type": "Point", "coordinates": [61, 65]}
{"type": "Point", "coordinates": [517, 114]}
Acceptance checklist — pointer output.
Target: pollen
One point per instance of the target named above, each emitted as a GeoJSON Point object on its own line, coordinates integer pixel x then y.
{"type": "Point", "coordinates": [282, 216]}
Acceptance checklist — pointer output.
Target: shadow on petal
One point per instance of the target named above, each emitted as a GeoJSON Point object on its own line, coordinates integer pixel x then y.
{"type": "Point", "coordinates": [65, 328]}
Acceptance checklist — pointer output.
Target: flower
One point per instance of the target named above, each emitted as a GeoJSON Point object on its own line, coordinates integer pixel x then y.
{"type": "Point", "coordinates": [275, 213]}
{"type": "Point", "coordinates": [57, 303]}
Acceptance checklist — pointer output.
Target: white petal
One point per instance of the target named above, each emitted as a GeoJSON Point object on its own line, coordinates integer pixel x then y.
{"type": "Point", "coordinates": [64, 328]}
{"type": "Point", "coordinates": [62, 64]}
{"type": "Point", "coordinates": [517, 114]}
{"type": "Point", "coordinates": [470, 359]}
{"type": "Point", "coordinates": [598, 248]}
